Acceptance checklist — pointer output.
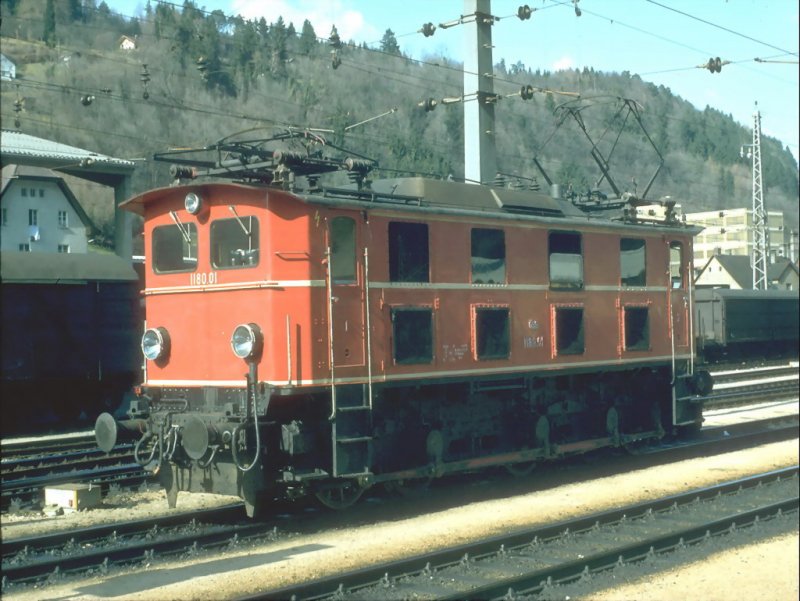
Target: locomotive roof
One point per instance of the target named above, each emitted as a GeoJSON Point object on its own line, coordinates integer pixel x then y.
{"type": "Point", "coordinates": [429, 196]}
{"type": "Point", "coordinates": [64, 268]}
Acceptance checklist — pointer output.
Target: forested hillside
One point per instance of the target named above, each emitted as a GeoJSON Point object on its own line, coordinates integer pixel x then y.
{"type": "Point", "coordinates": [196, 77]}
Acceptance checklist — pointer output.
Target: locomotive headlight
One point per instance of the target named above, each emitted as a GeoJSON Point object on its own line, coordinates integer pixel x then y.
{"type": "Point", "coordinates": [155, 343]}
{"type": "Point", "coordinates": [247, 341]}
{"type": "Point", "coordinates": [193, 203]}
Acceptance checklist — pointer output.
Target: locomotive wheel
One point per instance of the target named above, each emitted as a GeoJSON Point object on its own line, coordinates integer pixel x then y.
{"type": "Point", "coordinates": [340, 497]}
{"type": "Point", "coordinates": [520, 470]}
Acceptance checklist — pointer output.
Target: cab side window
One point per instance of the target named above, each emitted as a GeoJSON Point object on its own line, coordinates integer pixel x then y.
{"type": "Point", "coordinates": [234, 243]}
{"type": "Point", "coordinates": [566, 260]}
{"type": "Point", "coordinates": [343, 250]}
{"type": "Point", "coordinates": [676, 265]}
{"type": "Point", "coordinates": [175, 248]}
{"type": "Point", "coordinates": [408, 252]}
{"type": "Point", "coordinates": [488, 256]}
{"type": "Point", "coordinates": [632, 262]}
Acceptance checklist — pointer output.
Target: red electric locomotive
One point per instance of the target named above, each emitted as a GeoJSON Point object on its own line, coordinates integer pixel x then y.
{"type": "Point", "coordinates": [303, 339]}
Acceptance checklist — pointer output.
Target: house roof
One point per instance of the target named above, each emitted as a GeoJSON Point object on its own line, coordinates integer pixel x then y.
{"type": "Point", "coordinates": [11, 173]}
{"type": "Point", "coordinates": [739, 268]}
{"type": "Point", "coordinates": [63, 268]}
{"type": "Point", "coordinates": [777, 269]}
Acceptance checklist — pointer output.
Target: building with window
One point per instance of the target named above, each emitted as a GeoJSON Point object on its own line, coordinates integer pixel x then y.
{"type": "Point", "coordinates": [40, 213]}
{"type": "Point", "coordinates": [730, 232]}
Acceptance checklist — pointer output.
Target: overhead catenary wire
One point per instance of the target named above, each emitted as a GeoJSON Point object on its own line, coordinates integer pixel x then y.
{"type": "Point", "coordinates": [718, 26]}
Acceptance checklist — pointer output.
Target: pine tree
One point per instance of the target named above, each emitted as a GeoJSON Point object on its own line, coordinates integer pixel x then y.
{"type": "Point", "coordinates": [389, 43]}
{"type": "Point", "coordinates": [308, 38]}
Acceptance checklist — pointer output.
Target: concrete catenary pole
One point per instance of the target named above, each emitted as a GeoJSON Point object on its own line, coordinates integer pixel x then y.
{"type": "Point", "coordinates": [480, 160]}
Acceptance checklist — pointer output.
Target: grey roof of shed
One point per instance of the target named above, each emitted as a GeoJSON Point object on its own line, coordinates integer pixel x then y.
{"type": "Point", "coordinates": [64, 268]}
{"type": "Point", "coordinates": [24, 149]}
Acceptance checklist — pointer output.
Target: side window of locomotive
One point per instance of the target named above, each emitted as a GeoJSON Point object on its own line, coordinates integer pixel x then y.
{"type": "Point", "coordinates": [637, 328]}
{"type": "Point", "coordinates": [566, 260]}
{"type": "Point", "coordinates": [234, 243]}
{"type": "Point", "coordinates": [343, 250]}
{"type": "Point", "coordinates": [675, 264]}
{"type": "Point", "coordinates": [175, 248]}
{"type": "Point", "coordinates": [569, 331]}
{"type": "Point", "coordinates": [408, 252]}
{"type": "Point", "coordinates": [632, 262]}
{"type": "Point", "coordinates": [412, 334]}
{"type": "Point", "coordinates": [488, 256]}
{"type": "Point", "coordinates": [492, 334]}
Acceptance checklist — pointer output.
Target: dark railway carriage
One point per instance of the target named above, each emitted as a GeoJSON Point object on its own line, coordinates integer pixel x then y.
{"type": "Point", "coordinates": [403, 331]}
{"type": "Point", "coordinates": [71, 324]}
{"type": "Point", "coordinates": [736, 324]}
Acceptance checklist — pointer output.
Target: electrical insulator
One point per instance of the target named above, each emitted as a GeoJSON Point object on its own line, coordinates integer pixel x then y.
{"type": "Point", "coordinates": [428, 29]}
{"type": "Point", "coordinates": [714, 65]}
{"type": "Point", "coordinates": [577, 10]}
{"type": "Point", "coordinates": [334, 39]}
{"type": "Point", "coordinates": [145, 77]}
{"type": "Point", "coordinates": [526, 92]}
{"type": "Point", "coordinates": [17, 109]}
{"type": "Point", "coordinates": [524, 12]}
{"type": "Point", "coordinates": [428, 104]}
{"type": "Point", "coordinates": [87, 99]}
{"type": "Point", "coordinates": [335, 60]}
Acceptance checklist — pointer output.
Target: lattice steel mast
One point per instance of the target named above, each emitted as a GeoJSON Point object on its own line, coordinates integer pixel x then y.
{"type": "Point", "coordinates": [759, 258]}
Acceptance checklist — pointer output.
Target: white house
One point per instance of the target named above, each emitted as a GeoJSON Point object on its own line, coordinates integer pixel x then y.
{"type": "Point", "coordinates": [40, 213]}
{"type": "Point", "coordinates": [8, 70]}
{"type": "Point", "coordinates": [127, 43]}
{"type": "Point", "coordinates": [736, 273]}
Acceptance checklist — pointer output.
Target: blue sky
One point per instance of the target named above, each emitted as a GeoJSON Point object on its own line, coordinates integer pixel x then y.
{"type": "Point", "coordinates": [648, 37]}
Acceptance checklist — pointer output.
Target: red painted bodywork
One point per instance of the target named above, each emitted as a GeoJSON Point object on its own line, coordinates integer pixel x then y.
{"type": "Point", "coordinates": [286, 295]}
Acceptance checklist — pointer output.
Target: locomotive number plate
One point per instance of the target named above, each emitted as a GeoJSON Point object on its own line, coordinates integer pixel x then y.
{"type": "Point", "coordinates": [202, 278]}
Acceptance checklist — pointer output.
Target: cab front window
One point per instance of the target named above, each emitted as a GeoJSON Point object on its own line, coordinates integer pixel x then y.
{"type": "Point", "coordinates": [175, 248]}
{"type": "Point", "coordinates": [234, 243]}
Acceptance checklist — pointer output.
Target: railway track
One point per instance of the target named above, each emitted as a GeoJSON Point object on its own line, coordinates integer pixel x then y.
{"type": "Point", "coordinates": [528, 561]}
{"type": "Point", "coordinates": [37, 558]}
{"type": "Point", "coordinates": [760, 384]}
{"type": "Point", "coordinates": [47, 560]}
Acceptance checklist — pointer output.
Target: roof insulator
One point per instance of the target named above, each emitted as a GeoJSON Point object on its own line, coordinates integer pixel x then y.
{"type": "Point", "coordinates": [428, 29]}
{"type": "Point", "coordinates": [524, 12]}
{"type": "Point", "coordinates": [428, 104]}
{"type": "Point", "coordinates": [526, 92]}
